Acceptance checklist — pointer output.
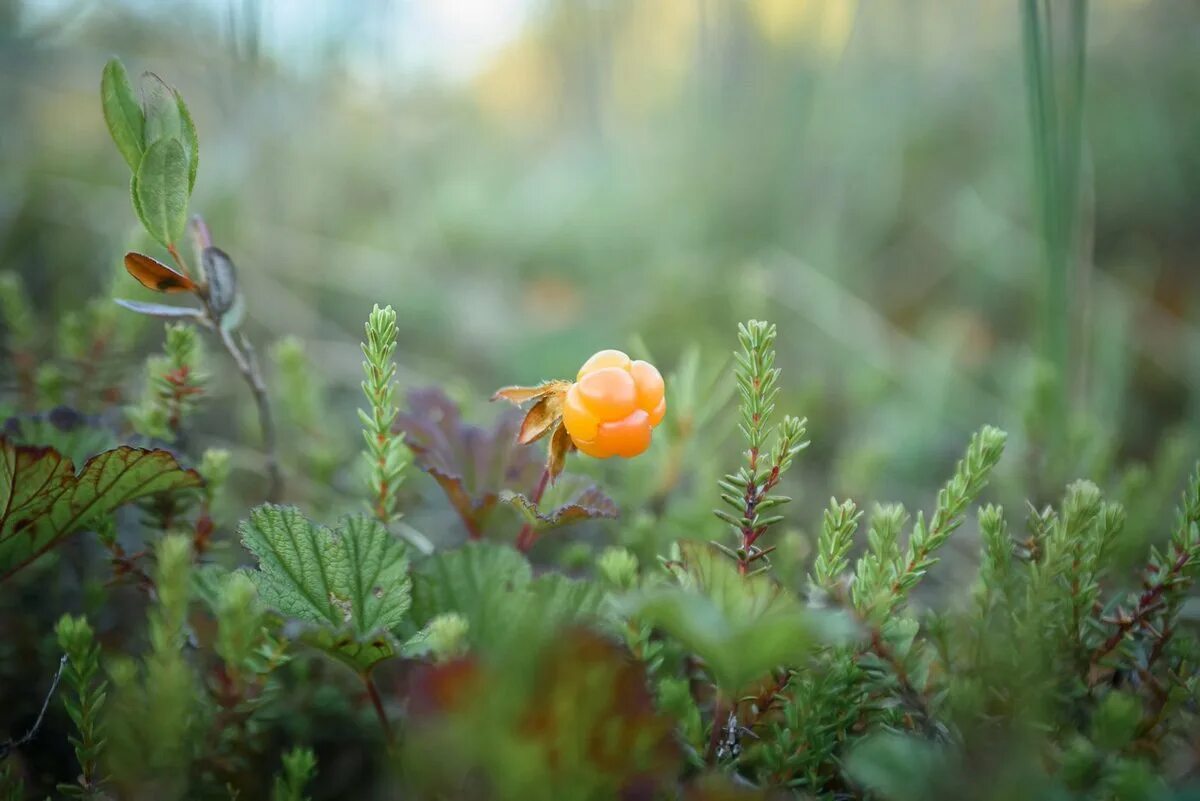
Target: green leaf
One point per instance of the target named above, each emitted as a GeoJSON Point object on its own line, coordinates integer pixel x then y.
{"type": "Point", "coordinates": [477, 581]}
{"type": "Point", "coordinates": [897, 767]}
{"type": "Point", "coordinates": [190, 140]}
{"type": "Point", "coordinates": [360, 655]}
{"type": "Point", "coordinates": [122, 114]}
{"type": "Point", "coordinates": [70, 432]}
{"type": "Point", "coordinates": [490, 586]}
{"type": "Point", "coordinates": [742, 626]}
{"type": "Point", "coordinates": [161, 190]}
{"type": "Point", "coordinates": [354, 578]}
{"type": "Point", "coordinates": [44, 500]}
{"type": "Point", "coordinates": [164, 119]}
{"type": "Point", "coordinates": [558, 600]}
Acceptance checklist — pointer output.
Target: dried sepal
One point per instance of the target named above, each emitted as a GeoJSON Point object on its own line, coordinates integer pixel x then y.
{"type": "Point", "coordinates": [541, 419]}
{"type": "Point", "coordinates": [522, 395]}
{"type": "Point", "coordinates": [544, 417]}
{"type": "Point", "coordinates": [561, 445]}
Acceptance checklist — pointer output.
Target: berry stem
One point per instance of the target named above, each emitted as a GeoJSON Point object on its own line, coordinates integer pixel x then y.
{"type": "Point", "coordinates": [528, 534]}
{"type": "Point", "coordinates": [377, 703]}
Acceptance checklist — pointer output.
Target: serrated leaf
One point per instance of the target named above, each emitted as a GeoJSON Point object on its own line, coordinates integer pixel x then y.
{"type": "Point", "coordinates": [161, 190]}
{"type": "Point", "coordinates": [558, 600]}
{"type": "Point", "coordinates": [490, 585]}
{"type": "Point", "coordinates": [355, 577]}
{"type": "Point", "coordinates": [742, 626]}
{"type": "Point", "coordinates": [44, 500]}
{"type": "Point", "coordinates": [568, 502]}
{"type": "Point", "coordinates": [359, 654]}
{"type": "Point", "coordinates": [478, 581]}
{"type": "Point", "coordinates": [470, 463]}
{"type": "Point", "coordinates": [122, 114]}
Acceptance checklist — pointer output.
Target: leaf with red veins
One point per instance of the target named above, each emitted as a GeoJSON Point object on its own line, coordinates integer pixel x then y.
{"type": "Point", "coordinates": [471, 464]}
{"type": "Point", "coordinates": [43, 500]}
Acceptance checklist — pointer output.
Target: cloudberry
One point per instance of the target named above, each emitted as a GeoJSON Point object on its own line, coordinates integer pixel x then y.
{"type": "Point", "coordinates": [613, 405]}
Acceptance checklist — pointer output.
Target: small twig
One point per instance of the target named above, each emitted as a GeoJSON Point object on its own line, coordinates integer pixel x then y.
{"type": "Point", "coordinates": [377, 703]}
{"type": "Point", "coordinates": [7, 747]}
{"type": "Point", "coordinates": [242, 354]}
{"type": "Point", "coordinates": [528, 534]}
{"type": "Point", "coordinates": [1148, 603]}
{"type": "Point", "coordinates": [714, 737]}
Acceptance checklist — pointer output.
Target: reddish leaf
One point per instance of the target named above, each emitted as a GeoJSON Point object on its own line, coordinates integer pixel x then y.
{"type": "Point", "coordinates": [153, 274]}
{"type": "Point", "coordinates": [471, 464]}
{"type": "Point", "coordinates": [593, 713]}
{"type": "Point", "coordinates": [44, 500]}
{"type": "Point", "coordinates": [579, 706]}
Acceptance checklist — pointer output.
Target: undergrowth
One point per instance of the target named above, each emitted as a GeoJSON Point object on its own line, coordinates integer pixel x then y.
{"type": "Point", "coordinates": [157, 640]}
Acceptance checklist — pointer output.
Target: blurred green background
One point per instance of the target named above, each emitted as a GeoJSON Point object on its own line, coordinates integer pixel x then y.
{"type": "Point", "coordinates": [530, 181]}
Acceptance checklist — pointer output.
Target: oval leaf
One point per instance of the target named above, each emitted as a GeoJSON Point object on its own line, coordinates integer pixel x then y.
{"type": "Point", "coordinates": [162, 190]}
{"type": "Point", "coordinates": [161, 107]}
{"type": "Point", "coordinates": [158, 309]}
{"type": "Point", "coordinates": [191, 141]}
{"type": "Point", "coordinates": [153, 274]}
{"type": "Point", "coordinates": [122, 113]}
{"type": "Point", "coordinates": [221, 277]}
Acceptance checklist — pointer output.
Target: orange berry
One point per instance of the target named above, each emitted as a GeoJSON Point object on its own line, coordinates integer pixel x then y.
{"type": "Point", "coordinates": [609, 393]}
{"type": "Point", "coordinates": [605, 358]}
{"type": "Point", "coordinates": [626, 437]}
{"type": "Point", "coordinates": [656, 414]}
{"type": "Point", "coordinates": [613, 405]}
{"type": "Point", "coordinates": [649, 384]}
{"type": "Point", "coordinates": [581, 424]}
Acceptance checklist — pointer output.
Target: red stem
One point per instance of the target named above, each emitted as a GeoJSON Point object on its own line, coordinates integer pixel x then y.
{"type": "Point", "coordinates": [528, 535]}
{"type": "Point", "coordinates": [377, 702]}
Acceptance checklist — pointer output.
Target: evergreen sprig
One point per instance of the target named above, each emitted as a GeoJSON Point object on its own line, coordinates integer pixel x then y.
{"type": "Point", "coordinates": [877, 568]}
{"type": "Point", "coordinates": [838, 525]}
{"type": "Point", "coordinates": [385, 453]}
{"type": "Point", "coordinates": [84, 702]}
{"type": "Point", "coordinates": [154, 710]}
{"type": "Point", "coordinates": [299, 767]}
{"type": "Point", "coordinates": [175, 380]}
{"type": "Point", "coordinates": [747, 492]}
{"type": "Point", "coordinates": [970, 476]}
{"type": "Point", "coordinates": [1153, 612]}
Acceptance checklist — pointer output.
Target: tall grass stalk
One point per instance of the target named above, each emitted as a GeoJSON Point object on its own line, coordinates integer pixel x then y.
{"type": "Point", "coordinates": [1055, 105]}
